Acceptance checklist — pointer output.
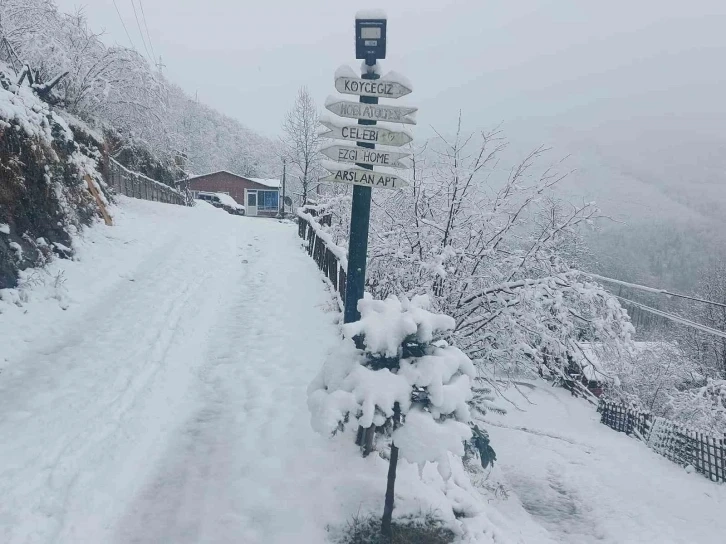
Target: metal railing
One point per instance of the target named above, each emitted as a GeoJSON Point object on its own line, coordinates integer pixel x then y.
{"type": "Point", "coordinates": [329, 257]}
{"type": "Point", "coordinates": [136, 185]}
{"type": "Point", "coordinates": [704, 452]}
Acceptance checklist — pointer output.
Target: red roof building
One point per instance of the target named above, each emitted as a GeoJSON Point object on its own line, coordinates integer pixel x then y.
{"type": "Point", "coordinates": [259, 196]}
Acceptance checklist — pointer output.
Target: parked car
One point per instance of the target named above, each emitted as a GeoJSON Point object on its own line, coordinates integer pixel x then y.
{"type": "Point", "coordinates": [223, 201]}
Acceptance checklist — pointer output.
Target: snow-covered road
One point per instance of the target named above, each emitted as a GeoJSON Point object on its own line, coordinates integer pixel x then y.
{"type": "Point", "coordinates": [167, 402]}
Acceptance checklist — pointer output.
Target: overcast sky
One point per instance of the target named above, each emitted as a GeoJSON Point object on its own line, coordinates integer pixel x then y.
{"type": "Point", "coordinates": [579, 62]}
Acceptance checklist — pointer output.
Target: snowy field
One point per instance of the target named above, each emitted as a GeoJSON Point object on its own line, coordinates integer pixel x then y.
{"type": "Point", "coordinates": [154, 390]}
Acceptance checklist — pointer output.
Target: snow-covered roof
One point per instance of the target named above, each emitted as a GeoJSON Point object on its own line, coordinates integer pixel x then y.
{"type": "Point", "coordinates": [273, 183]}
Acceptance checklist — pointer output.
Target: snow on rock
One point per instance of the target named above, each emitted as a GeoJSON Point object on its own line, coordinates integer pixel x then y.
{"type": "Point", "coordinates": [26, 113]}
{"type": "Point", "coordinates": [4, 228]}
{"type": "Point", "coordinates": [18, 250]}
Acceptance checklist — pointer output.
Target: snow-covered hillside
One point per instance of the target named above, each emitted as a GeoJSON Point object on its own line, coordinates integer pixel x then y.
{"type": "Point", "coordinates": [583, 482]}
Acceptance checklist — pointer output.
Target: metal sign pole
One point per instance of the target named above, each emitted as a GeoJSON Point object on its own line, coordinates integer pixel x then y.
{"type": "Point", "coordinates": [359, 224]}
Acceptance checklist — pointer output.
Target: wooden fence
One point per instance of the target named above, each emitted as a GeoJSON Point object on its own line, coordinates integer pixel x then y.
{"type": "Point", "coordinates": [706, 453]}
{"type": "Point", "coordinates": [136, 185]}
{"type": "Point", "coordinates": [329, 257]}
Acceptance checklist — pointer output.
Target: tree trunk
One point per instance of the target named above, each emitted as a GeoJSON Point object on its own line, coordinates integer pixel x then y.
{"type": "Point", "coordinates": [386, 528]}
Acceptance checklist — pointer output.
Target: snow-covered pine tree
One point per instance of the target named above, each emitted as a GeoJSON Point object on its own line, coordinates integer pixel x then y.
{"type": "Point", "coordinates": [407, 387]}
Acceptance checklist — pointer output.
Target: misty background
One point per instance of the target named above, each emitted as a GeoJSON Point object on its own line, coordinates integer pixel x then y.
{"type": "Point", "coordinates": [632, 92]}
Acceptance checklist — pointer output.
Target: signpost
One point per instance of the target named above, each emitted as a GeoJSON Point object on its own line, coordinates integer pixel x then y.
{"type": "Point", "coordinates": [370, 46]}
{"type": "Point", "coordinates": [366, 178]}
{"type": "Point", "coordinates": [371, 112]}
{"type": "Point", "coordinates": [360, 155]}
{"type": "Point", "coordinates": [369, 134]}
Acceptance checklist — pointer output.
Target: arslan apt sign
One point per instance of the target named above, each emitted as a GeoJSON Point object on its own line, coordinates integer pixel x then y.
{"type": "Point", "coordinates": [367, 178]}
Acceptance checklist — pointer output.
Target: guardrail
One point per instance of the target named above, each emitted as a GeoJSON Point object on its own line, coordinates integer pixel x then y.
{"type": "Point", "coordinates": [704, 452]}
{"type": "Point", "coordinates": [330, 258]}
{"type": "Point", "coordinates": [136, 185]}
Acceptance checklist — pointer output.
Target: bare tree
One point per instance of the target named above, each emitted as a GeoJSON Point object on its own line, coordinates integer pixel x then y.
{"type": "Point", "coordinates": [302, 142]}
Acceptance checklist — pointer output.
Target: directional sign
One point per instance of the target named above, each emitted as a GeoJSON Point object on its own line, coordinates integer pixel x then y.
{"type": "Point", "coordinates": [371, 112]}
{"type": "Point", "coordinates": [362, 155]}
{"type": "Point", "coordinates": [370, 87]}
{"type": "Point", "coordinates": [366, 133]}
{"type": "Point", "coordinates": [367, 178]}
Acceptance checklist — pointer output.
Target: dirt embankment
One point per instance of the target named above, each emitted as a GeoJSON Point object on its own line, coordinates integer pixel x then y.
{"type": "Point", "coordinates": [44, 198]}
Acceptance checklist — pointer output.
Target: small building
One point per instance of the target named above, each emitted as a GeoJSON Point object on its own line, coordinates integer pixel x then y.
{"type": "Point", "coordinates": [261, 197]}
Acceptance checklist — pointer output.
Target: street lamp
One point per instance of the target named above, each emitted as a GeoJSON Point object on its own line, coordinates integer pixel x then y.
{"type": "Point", "coordinates": [370, 36]}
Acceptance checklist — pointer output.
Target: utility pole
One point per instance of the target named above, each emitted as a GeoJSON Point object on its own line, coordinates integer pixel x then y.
{"type": "Point", "coordinates": [284, 175]}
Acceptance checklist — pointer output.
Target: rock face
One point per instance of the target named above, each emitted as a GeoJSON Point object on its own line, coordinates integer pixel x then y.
{"type": "Point", "coordinates": [44, 198]}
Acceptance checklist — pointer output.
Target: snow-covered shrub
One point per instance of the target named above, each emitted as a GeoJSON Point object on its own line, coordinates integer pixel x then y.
{"type": "Point", "coordinates": [404, 383]}
{"type": "Point", "coordinates": [702, 408]}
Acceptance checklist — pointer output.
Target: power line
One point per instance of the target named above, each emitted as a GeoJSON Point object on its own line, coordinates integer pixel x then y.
{"type": "Point", "coordinates": [654, 290]}
{"type": "Point", "coordinates": [676, 318]}
{"type": "Point", "coordinates": [146, 26]}
{"type": "Point", "coordinates": [141, 33]}
{"type": "Point", "coordinates": [124, 25]}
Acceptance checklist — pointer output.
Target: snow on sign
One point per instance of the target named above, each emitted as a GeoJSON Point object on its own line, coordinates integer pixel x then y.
{"type": "Point", "coordinates": [363, 155]}
{"type": "Point", "coordinates": [371, 112]}
{"type": "Point", "coordinates": [366, 133]}
{"type": "Point", "coordinates": [367, 178]}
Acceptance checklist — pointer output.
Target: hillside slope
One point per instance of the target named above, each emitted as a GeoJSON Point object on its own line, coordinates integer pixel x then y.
{"type": "Point", "coordinates": [583, 482]}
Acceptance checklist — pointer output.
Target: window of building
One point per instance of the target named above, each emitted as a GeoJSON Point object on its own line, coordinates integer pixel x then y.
{"type": "Point", "coordinates": [267, 200]}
